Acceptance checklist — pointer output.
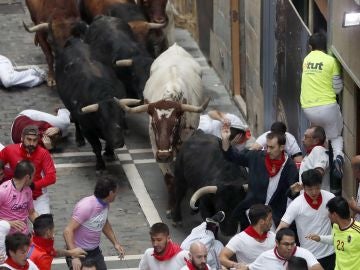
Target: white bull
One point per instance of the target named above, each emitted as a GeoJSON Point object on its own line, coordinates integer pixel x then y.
{"type": "Point", "coordinates": [174, 98]}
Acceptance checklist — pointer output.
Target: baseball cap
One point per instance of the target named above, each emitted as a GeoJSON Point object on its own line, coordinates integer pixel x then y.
{"type": "Point", "coordinates": [30, 130]}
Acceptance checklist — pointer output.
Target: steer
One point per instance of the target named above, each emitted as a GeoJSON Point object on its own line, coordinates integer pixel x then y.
{"type": "Point", "coordinates": [219, 184]}
{"type": "Point", "coordinates": [89, 91]}
{"type": "Point", "coordinates": [112, 43]}
{"type": "Point", "coordinates": [175, 98]}
{"type": "Point", "coordinates": [41, 11]}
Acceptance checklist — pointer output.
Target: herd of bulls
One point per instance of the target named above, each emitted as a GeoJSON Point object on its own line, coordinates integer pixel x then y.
{"type": "Point", "coordinates": [112, 57]}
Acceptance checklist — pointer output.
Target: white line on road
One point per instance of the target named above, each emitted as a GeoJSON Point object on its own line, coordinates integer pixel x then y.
{"type": "Point", "coordinates": [141, 194]}
{"type": "Point", "coordinates": [84, 154]}
{"type": "Point", "coordinates": [107, 259]}
{"type": "Point", "coordinates": [92, 164]}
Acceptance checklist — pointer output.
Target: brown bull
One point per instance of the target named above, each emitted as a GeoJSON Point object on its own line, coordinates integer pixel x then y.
{"type": "Point", "coordinates": [63, 14]}
{"type": "Point", "coordinates": [154, 10]}
{"type": "Point", "coordinates": [126, 10]}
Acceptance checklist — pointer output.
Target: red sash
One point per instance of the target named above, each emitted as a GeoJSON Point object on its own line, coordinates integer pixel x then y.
{"type": "Point", "coordinates": [191, 266]}
{"type": "Point", "coordinates": [13, 264]}
{"type": "Point", "coordinates": [254, 234]}
{"type": "Point", "coordinates": [273, 166]}
{"type": "Point", "coordinates": [170, 251]}
{"type": "Point", "coordinates": [313, 204]}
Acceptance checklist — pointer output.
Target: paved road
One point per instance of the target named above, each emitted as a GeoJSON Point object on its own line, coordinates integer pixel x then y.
{"type": "Point", "coordinates": [142, 197]}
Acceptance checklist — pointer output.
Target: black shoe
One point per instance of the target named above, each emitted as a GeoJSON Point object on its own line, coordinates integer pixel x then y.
{"type": "Point", "coordinates": [338, 167]}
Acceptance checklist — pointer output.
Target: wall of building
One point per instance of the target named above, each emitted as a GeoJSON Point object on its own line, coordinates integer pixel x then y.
{"type": "Point", "coordinates": [254, 92]}
{"type": "Point", "coordinates": [349, 111]}
{"type": "Point", "coordinates": [220, 42]}
{"type": "Point", "coordinates": [344, 44]}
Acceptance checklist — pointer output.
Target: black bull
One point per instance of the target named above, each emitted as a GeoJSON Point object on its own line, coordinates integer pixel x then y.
{"type": "Point", "coordinates": [200, 163]}
{"type": "Point", "coordinates": [81, 82]}
{"type": "Point", "coordinates": [111, 40]}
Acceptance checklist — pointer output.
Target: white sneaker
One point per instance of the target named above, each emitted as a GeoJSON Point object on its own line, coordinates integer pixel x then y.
{"type": "Point", "coordinates": [39, 72]}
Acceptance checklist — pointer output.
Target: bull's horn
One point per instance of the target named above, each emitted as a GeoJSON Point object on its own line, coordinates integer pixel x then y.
{"type": "Point", "coordinates": [123, 103]}
{"type": "Point", "coordinates": [155, 25]}
{"type": "Point", "coordinates": [90, 108]}
{"type": "Point", "coordinates": [199, 193]}
{"type": "Point", "coordinates": [39, 27]}
{"type": "Point", "coordinates": [124, 63]}
{"type": "Point", "coordinates": [196, 109]}
{"type": "Point", "coordinates": [127, 101]}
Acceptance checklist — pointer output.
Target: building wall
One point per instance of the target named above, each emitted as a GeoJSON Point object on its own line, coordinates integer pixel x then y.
{"type": "Point", "coordinates": [344, 44]}
{"type": "Point", "coordinates": [254, 92]}
{"type": "Point", "coordinates": [220, 42]}
{"type": "Point", "coordinates": [349, 111]}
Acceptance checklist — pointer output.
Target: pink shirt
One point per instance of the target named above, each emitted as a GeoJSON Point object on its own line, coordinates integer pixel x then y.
{"type": "Point", "coordinates": [92, 214]}
{"type": "Point", "coordinates": [15, 204]}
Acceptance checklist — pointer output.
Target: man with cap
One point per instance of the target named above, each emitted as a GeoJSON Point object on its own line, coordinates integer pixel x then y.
{"type": "Point", "coordinates": [45, 173]}
{"type": "Point", "coordinates": [51, 127]}
{"type": "Point", "coordinates": [212, 122]}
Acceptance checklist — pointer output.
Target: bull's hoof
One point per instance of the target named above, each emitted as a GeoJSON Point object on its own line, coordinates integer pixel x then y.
{"type": "Point", "coordinates": [109, 156]}
{"type": "Point", "coordinates": [51, 82]}
{"type": "Point", "coordinates": [177, 223]}
{"type": "Point", "coordinates": [80, 143]}
{"type": "Point", "coordinates": [100, 166]}
{"type": "Point", "coordinates": [168, 214]}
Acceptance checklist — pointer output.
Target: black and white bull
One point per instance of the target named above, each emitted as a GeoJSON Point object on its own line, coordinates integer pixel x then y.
{"type": "Point", "coordinates": [217, 183]}
{"type": "Point", "coordinates": [112, 43]}
{"type": "Point", "coordinates": [89, 91]}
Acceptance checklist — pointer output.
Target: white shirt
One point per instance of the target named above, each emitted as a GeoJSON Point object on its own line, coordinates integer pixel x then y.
{"type": "Point", "coordinates": [357, 215]}
{"type": "Point", "coordinates": [32, 266]}
{"type": "Point", "coordinates": [269, 260]}
{"type": "Point", "coordinates": [309, 220]}
{"type": "Point", "coordinates": [291, 146]}
{"type": "Point", "coordinates": [247, 249]}
{"type": "Point", "coordinates": [213, 127]}
{"type": "Point", "coordinates": [318, 158]}
{"type": "Point", "coordinates": [148, 262]}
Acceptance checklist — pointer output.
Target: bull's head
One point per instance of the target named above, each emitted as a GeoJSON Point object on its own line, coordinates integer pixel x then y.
{"type": "Point", "coordinates": [155, 10]}
{"type": "Point", "coordinates": [110, 120]}
{"type": "Point", "coordinates": [225, 198]}
{"type": "Point", "coordinates": [165, 118]}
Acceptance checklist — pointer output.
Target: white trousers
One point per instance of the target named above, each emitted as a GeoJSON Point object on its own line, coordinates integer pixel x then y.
{"type": "Point", "coordinates": [61, 120]}
{"type": "Point", "coordinates": [10, 77]}
{"type": "Point", "coordinates": [206, 237]}
{"type": "Point", "coordinates": [42, 204]}
{"type": "Point", "coordinates": [330, 119]}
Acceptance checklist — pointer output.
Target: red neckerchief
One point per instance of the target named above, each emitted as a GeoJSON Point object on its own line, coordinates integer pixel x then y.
{"type": "Point", "coordinates": [254, 234]}
{"type": "Point", "coordinates": [13, 264]}
{"type": "Point", "coordinates": [191, 266]}
{"type": "Point", "coordinates": [273, 166]}
{"type": "Point", "coordinates": [315, 205]}
{"type": "Point", "coordinates": [282, 258]}
{"type": "Point", "coordinates": [44, 243]}
{"type": "Point", "coordinates": [310, 148]}
{"type": "Point", "coordinates": [171, 250]}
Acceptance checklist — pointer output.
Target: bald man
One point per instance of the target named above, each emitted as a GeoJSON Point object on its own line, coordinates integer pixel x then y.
{"type": "Point", "coordinates": [355, 204]}
{"type": "Point", "coordinates": [197, 257]}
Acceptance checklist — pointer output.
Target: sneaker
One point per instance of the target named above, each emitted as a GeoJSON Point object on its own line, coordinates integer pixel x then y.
{"type": "Point", "coordinates": [338, 166]}
{"type": "Point", "coordinates": [39, 72]}
{"type": "Point", "coordinates": [217, 218]}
